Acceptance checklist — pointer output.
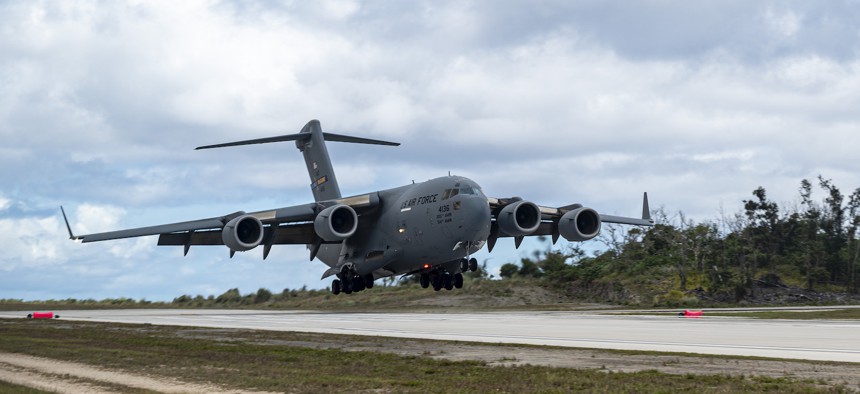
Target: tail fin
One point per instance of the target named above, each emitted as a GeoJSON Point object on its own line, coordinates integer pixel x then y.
{"type": "Point", "coordinates": [311, 142]}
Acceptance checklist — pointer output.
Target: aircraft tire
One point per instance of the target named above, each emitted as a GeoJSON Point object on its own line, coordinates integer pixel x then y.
{"type": "Point", "coordinates": [473, 264]}
{"type": "Point", "coordinates": [449, 281]}
{"type": "Point", "coordinates": [458, 280]}
{"type": "Point", "coordinates": [424, 280]}
{"type": "Point", "coordinates": [464, 265]}
{"type": "Point", "coordinates": [346, 286]}
{"type": "Point", "coordinates": [368, 281]}
{"type": "Point", "coordinates": [357, 283]}
{"type": "Point", "coordinates": [437, 282]}
{"type": "Point", "coordinates": [335, 286]}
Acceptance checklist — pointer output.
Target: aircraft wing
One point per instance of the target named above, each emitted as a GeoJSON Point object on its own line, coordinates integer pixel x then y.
{"type": "Point", "coordinates": [550, 218]}
{"type": "Point", "coordinates": [288, 225]}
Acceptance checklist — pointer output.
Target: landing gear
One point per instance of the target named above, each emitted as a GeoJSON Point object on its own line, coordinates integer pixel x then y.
{"type": "Point", "coordinates": [437, 282]}
{"type": "Point", "coordinates": [458, 280]}
{"type": "Point", "coordinates": [349, 281]}
{"type": "Point", "coordinates": [424, 280]}
{"type": "Point", "coordinates": [449, 281]}
{"type": "Point", "coordinates": [473, 265]}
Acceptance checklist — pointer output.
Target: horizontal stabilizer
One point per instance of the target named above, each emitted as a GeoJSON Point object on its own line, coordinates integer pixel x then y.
{"type": "Point", "coordinates": [305, 134]}
{"type": "Point", "coordinates": [357, 140]}
{"type": "Point", "coordinates": [282, 138]}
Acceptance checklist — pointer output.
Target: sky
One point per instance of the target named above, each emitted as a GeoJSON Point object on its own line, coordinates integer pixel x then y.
{"type": "Point", "coordinates": [102, 103]}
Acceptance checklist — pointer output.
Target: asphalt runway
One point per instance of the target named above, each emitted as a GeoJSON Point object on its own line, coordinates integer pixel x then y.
{"type": "Point", "coordinates": [828, 340]}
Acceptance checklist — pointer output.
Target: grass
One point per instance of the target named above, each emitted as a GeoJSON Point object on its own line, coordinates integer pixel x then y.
{"type": "Point", "coordinates": [272, 361]}
{"type": "Point", "coordinates": [9, 388]}
{"type": "Point", "coordinates": [475, 295]}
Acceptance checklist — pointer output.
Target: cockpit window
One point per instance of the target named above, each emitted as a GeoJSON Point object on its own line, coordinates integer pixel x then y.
{"type": "Point", "coordinates": [466, 190]}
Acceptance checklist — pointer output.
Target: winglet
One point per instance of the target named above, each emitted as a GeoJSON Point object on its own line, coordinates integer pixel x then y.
{"type": "Point", "coordinates": [68, 227]}
{"type": "Point", "coordinates": [646, 211]}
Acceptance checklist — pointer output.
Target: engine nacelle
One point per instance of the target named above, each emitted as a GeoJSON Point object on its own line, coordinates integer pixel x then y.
{"type": "Point", "coordinates": [580, 224]}
{"type": "Point", "coordinates": [336, 223]}
{"type": "Point", "coordinates": [242, 233]}
{"type": "Point", "coordinates": [519, 218]}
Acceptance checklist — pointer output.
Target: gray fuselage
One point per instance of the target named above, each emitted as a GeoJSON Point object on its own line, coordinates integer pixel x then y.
{"type": "Point", "coordinates": [427, 225]}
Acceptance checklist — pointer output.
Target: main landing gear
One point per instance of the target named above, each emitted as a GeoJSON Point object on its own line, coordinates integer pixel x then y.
{"type": "Point", "coordinates": [445, 280]}
{"type": "Point", "coordinates": [441, 280]}
{"type": "Point", "coordinates": [349, 282]}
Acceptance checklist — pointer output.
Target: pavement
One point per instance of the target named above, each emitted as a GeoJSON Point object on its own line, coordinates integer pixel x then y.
{"type": "Point", "coordinates": [826, 340]}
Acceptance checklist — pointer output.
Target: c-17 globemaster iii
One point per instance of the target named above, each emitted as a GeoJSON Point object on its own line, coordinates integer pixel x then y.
{"type": "Point", "coordinates": [429, 229]}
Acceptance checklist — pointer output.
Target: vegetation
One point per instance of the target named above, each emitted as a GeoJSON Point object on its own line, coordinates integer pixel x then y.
{"type": "Point", "coordinates": [764, 254]}
{"type": "Point", "coordinates": [290, 362]}
{"type": "Point", "coordinates": [10, 388]}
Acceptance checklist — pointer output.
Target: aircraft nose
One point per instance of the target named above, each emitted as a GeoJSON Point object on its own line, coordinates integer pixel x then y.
{"type": "Point", "coordinates": [476, 220]}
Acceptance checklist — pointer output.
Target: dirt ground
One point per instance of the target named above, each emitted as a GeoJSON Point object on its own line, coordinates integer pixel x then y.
{"type": "Point", "coordinates": [68, 377]}
{"type": "Point", "coordinates": [75, 378]}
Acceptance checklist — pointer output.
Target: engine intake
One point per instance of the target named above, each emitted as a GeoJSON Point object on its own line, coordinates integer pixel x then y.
{"type": "Point", "coordinates": [519, 218]}
{"type": "Point", "coordinates": [242, 233]}
{"type": "Point", "coordinates": [336, 223]}
{"type": "Point", "coordinates": [580, 224]}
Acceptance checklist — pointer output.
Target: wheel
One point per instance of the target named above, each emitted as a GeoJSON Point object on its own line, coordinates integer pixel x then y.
{"type": "Point", "coordinates": [449, 281]}
{"type": "Point", "coordinates": [473, 264]}
{"type": "Point", "coordinates": [437, 282]}
{"type": "Point", "coordinates": [346, 286]}
{"type": "Point", "coordinates": [335, 286]}
{"type": "Point", "coordinates": [424, 280]}
{"type": "Point", "coordinates": [458, 280]}
{"type": "Point", "coordinates": [368, 281]}
{"type": "Point", "coordinates": [357, 283]}
{"type": "Point", "coordinates": [464, 265]}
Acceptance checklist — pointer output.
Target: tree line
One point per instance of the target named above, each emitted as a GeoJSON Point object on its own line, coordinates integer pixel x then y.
{"type": "Point", "coordinates": [812, 244]}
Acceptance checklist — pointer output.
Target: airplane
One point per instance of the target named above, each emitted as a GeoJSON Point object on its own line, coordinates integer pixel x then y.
{"type": "Point", "coordinates": [429, 229]}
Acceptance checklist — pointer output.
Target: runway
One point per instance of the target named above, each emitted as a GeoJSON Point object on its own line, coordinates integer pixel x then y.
{"type": "Point", "coordinates": [827, 340]}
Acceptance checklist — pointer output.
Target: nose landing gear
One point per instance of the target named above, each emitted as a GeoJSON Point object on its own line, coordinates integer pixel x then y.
{"type": "Point", "coordinates": [469, 264]}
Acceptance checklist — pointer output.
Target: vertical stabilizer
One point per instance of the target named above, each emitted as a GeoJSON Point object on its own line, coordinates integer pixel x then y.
{"type": "Point", "coordinates": [323, 181]}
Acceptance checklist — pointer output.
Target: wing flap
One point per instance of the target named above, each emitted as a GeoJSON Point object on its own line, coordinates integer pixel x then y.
{"type": "Point", "coordinates": [202, 224]}
{"type": "Point", "coordinates": [293, 234]}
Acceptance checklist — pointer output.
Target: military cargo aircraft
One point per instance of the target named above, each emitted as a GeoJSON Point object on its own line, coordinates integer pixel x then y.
{"type": "Point", "coordinates": [429, 229]}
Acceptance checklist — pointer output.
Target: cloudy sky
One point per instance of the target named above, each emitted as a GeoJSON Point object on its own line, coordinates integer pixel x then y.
{"type": "Point", "coordinates": [102, 103]}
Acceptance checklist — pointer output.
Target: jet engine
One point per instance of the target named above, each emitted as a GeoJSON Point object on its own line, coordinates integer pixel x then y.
{"type": "Point", "coordinates": [336, 223]}
{"type": "Point", "coordinates": [519, 218]}
{"type": "Point", "coordinates": [242, 233]}
{"type": "Point", "coordinates": [580, 224]}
